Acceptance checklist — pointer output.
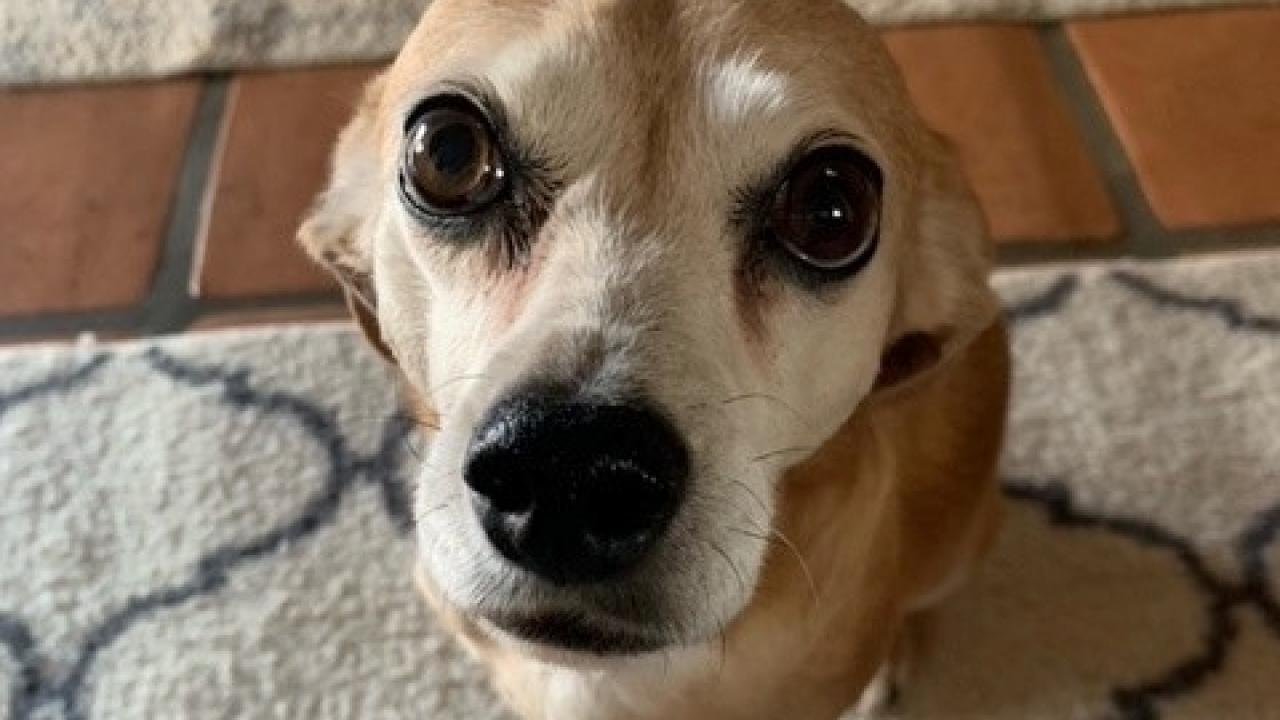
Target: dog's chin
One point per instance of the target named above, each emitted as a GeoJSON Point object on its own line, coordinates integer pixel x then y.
{"type": "Point", "coordinates": [571, 639]}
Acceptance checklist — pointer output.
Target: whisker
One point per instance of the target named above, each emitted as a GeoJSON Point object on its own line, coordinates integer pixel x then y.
{"type": "Point", "coordinates": [777, 535]}
{"type": "Point", "coordinates": [764, 509]}
{"type": "Point", "coordinates": [425, 424]}
{"type": "Point", "coordinates": [372, 419]}
{"type": "Point", "coordinates": [756, 534]}
{"type": "Point", "coordinates": [766, 534]}
{"type": "Point", "coordinates": [724, 646]}
{"type": "Point", "coordinates": [722, 631]}
{"type": "Point", "coordinates": [382, 419]}
{"type": "Point", "coordinates": [742, 589]}
{"type": "Point", "coordinates": [771, 398]}
{"type": "Point", "coordinates": [742, 584]}
{"type": "Point", "coordinates": [456, 379]}
{"type": "Point", "coordinates": [415, 452]}
{"type": "Point", "coordinates": [784, 451]}
{"type": "Point", "coordinates": [436, 509]}
{"type": "Point", "coordinates": [734, 399]}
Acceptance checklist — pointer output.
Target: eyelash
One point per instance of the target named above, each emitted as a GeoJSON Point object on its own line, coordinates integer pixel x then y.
{"type": "Point", "coordinates": [508, 228]}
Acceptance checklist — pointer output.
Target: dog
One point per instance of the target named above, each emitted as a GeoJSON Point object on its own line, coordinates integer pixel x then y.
{"type": "Point", "coordinates": [695, 312]}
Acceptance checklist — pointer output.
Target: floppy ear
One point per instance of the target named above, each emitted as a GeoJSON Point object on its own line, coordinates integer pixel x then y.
{"type": "Point", "coordinates": [338, 231]}
{"type": "Point", "coordinates": [944, 300]}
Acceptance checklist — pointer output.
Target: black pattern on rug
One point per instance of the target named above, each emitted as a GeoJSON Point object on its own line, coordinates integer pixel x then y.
{"type": "Point", "coordinates": [1222, 597]}
{"type": "Point", "coordinates": [32, 689]}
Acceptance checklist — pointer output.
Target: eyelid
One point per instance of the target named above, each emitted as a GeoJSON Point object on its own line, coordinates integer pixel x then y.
{"type": "Point", "coordinates": [751, 200]}
{"type": "Point", "coordinates": [470, 92]}
{"type": "Point", "coordinates": [825, 140]}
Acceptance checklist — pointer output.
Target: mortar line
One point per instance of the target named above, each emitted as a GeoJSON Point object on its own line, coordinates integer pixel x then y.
{"type": "Point", "coordinates": [170, 306]}
{"type": "Point", "coordinates": [1144, 236]}
{"type": "Point", "coordinates": [127, 321]}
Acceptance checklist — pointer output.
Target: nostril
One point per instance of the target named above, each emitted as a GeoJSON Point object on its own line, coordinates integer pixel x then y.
{"type": "Point", "coordinates": [493, 470]}
{"type": "Point", "coordinates": [504, 487]}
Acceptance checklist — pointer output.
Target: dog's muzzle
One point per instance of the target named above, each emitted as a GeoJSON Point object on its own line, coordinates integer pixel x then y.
{"type": "Point", "coordinates": [575, 491]}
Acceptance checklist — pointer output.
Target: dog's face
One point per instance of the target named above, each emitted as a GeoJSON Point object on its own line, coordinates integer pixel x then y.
{"type": "Point", "coordinates": [638, 258]}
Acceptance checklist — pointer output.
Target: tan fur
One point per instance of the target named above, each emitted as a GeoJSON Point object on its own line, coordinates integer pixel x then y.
{"type": "Point", "coordinates": [871, 528]}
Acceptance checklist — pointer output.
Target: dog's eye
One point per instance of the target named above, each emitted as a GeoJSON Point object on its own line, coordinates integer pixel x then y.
{"type": "Point", "coordinates": [827, 211]}
{"type": "Point", "coordinates": [452, 163]}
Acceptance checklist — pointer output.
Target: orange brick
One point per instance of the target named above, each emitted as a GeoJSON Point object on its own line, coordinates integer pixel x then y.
{"type": "Point", "coordinates": [89, 176]}
{"type": "Point", "coordinates": [1195, 98]}
{"type": "Point", "coordinates": [989, 89]}
{"type": "Point", "coordinates": [280, 133]}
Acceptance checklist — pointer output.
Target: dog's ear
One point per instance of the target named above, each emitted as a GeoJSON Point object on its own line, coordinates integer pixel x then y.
{"type": "Point", "coordinates": [338, 232]}
{"type": "Point", "coordinates": [943, 298]}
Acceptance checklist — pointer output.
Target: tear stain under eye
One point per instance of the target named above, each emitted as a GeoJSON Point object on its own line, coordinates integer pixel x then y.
{"type": "Point", "coordinates": [754, 293]}
{"type": "Point", "coordinates": [510, 290]}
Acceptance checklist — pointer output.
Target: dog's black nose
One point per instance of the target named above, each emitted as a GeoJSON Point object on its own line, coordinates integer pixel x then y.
{"type": "Point", "coordinates": [573, 491]}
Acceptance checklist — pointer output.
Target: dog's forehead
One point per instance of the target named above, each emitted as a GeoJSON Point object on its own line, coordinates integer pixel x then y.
{"type": "Point", "coordinates": [610, 74]}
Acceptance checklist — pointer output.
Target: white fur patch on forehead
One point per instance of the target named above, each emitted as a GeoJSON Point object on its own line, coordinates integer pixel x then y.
{"type": "Point", "coordinates": [554, 93]}
{"type": "Point", "coordinates": [520, 63]}
{"type": "Point", "coordinates": [740, 88]}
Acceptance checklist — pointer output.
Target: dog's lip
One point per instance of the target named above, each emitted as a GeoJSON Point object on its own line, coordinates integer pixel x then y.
{"type": "Point", "coordinates": [574, 632]}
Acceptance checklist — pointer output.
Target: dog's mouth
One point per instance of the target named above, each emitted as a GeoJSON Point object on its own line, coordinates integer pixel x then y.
{"type": "Point", "coordinates": [575, 633]}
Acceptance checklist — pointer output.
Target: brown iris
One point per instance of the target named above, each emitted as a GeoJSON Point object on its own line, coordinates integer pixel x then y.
{"type": "Point", "coordinates": [826, 213]}
{"type": "Point", "coordinates": [452, 164]}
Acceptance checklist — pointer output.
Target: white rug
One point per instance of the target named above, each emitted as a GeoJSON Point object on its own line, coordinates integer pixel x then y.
{"type": "Point", "coordinates": [214, 526]}
{"type": "Point", "coordinates": [67, 40]}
